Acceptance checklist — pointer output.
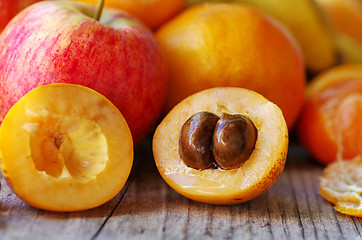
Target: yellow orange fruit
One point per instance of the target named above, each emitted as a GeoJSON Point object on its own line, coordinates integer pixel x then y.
{"type": "Point", "coordinates": [330, 124]}
{"type": "Point", "coordinates": [304, 20]}
{"type": "Point", "coordinates": [233, 45]}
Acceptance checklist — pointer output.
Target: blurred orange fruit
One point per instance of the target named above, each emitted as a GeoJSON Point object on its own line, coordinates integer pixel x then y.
{"type": "Point", "coordinates": [233, 45]}
{"type": "Point", "coordinates": [345, 16]}
{"type": "Point", "coordinates": [152, 13]}
{"type": "Point", "coordinates": [331, 122]}
{"type": "Point", "coordinates": [8, 9]}
{"type": "Point", "coordinates": [341, 184]}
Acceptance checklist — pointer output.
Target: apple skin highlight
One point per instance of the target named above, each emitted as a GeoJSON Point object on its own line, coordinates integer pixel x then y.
{"type": "Point", "coordinates": [59, 42]}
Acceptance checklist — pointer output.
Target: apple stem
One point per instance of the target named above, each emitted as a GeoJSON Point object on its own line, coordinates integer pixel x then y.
{"type": "Point", "coordinates": [99, 8]}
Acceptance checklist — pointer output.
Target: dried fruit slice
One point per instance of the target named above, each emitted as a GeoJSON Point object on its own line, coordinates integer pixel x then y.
{"type": "Point", "coordinates": [341, 184]}
{"type": "Point", "coordinates": [65, 147]}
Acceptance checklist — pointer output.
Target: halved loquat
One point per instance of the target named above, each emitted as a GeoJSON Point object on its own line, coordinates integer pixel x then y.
{"type": "Point", "coordinates": [65, 147]}
{"type": "Point", "coordinates": [222, 145]}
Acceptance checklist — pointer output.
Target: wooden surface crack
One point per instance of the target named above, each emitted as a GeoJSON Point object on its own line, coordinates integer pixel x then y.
{"type": "Point", "coordinates": [122, 193]}
{"type": "Point", "coordinates": [355, 222]}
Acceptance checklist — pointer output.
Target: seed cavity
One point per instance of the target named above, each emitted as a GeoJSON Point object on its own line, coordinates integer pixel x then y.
{"type": "Point", "coordinates": [64, 146]}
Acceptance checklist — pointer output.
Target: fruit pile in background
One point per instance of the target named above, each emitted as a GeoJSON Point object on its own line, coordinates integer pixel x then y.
{"type": "Point", "coordinates": [59, 42]}
{"type": "Point", "coordinates": [346, 20]}
{"type": "Point", "coordinates": [149, 58]}
{"type": "Point", "coordinates": [233, 45]}
{"type": "Point", "coordinates": [152, 13]}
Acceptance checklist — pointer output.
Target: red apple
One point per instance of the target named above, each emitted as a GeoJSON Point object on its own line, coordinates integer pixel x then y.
{"type": "Point", "coordinates": [9, 8]}
{"type": "Point", "coordinates": [60, 42]}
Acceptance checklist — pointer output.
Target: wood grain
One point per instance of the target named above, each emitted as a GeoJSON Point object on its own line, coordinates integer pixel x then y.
{"type": "Point", "coordinates": [147, 208]}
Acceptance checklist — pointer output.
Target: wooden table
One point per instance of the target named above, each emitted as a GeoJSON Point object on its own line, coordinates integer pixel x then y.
{"type": "Point", "coordinates": [147, 208]}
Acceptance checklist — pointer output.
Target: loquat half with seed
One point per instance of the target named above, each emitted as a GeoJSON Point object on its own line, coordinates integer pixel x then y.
{"type": "Point", "coordinates": [221, 145]}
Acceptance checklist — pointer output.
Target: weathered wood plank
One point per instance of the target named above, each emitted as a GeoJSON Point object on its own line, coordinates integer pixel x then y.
{"type": "Point", "coordinates": [147, 208]}
{"type": "Point", "coordinates": [291, 209]}
{"type": "Point", "coordinates": [20, 221]}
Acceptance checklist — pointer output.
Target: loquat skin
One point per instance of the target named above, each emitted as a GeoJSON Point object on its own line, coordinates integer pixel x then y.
{"type": "Point", "coordinates": [215, 185]}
